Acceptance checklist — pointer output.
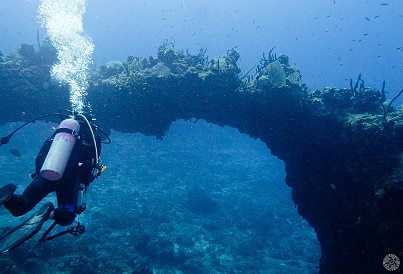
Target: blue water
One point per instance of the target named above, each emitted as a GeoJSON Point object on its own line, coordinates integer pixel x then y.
{"type": "Point", "coordinates": [330, 41]}
{"type": "Point", "coordinates": [239, 218]}
{"type": "Point", "coordinates": [206, 199]}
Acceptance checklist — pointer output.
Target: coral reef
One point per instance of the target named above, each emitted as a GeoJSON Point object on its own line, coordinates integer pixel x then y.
{"type": "Point", "coordinates": [343, 154]}
{"type": "Point", "coordinates": [25, 83]}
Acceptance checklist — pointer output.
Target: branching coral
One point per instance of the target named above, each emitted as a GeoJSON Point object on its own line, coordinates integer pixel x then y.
{"type": "Point", "coordinates": [387, 107]}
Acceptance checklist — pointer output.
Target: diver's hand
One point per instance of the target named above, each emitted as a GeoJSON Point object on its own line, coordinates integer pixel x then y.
{"type": "Point", "coordinates": [62, 215]}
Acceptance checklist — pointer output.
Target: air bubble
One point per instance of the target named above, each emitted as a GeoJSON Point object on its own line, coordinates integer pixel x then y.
{"type": "Point", "coordinates": [63, 20]}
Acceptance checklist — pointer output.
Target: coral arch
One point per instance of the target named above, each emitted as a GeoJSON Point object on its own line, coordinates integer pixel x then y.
{"type": "Point", "coordinates": [343, 154]}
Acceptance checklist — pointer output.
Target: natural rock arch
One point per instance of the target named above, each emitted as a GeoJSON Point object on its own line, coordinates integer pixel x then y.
{"type": "Point", "coordinates": [341, 150]}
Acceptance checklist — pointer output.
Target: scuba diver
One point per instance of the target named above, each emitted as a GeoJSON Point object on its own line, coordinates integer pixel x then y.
{"type": "Point", "coordinates": [66, 164]}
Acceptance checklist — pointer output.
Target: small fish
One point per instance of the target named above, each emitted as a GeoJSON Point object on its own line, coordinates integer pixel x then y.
{"type": "Point", "coordinates": [376, 16]}
{"type": "Point", "coordinates": [368, 19]}
{"type": "Point", "coordinates": [15, 152]}
{"type": "Point", "coordinates": [384, 4]}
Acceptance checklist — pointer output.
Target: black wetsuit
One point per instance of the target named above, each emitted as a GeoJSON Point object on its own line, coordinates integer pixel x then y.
{"type": "Point", "coordinates": [79, 170]}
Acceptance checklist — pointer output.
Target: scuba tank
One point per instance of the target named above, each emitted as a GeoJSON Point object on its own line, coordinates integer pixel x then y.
{"type": "Point", "coordinates": [63, 141]}
{"type": "Point", "coordinates": [60, 150]}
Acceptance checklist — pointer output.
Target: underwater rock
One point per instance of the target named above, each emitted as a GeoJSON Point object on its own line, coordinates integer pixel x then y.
{"type": "Point", "coordinates": [112, 68]}
{"type": "Point", "coordinates": [337, 99]}
{"type": "Point", "coordinates": [283, 59]}
{"type": "Point", "coordinates": [137, 64]}
{"type": "Point", "coordinates": [228, 62]}
{"type": "Point", "coordinates": [368, 100]}
{"type": "Point", "coordinates": [167, 56]}
{"type": "Point", "coordinates": [47, 53]}
{"type": "Point", "coordinates": [276, 72]}
{"type": "Point", "coordinates": [273, 75]}
{"type": "Point", "coordinates": [27, 51]}
{"type": "Point", "coordinates": [294, 76]}
{"type": "Point", "coordinates": [159, 70]}
{"type": "Point", "coordinates": [346, 100]}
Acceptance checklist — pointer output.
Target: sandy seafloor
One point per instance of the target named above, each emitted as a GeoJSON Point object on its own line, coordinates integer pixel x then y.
{"type": "Point", "coordinates": [206, 199]}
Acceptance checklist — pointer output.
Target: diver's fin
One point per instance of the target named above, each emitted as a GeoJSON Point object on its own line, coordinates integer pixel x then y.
{"type": "Point", "coordinates": [5, 192]}
{"type": "Point", "coordinates": [23, 232]}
